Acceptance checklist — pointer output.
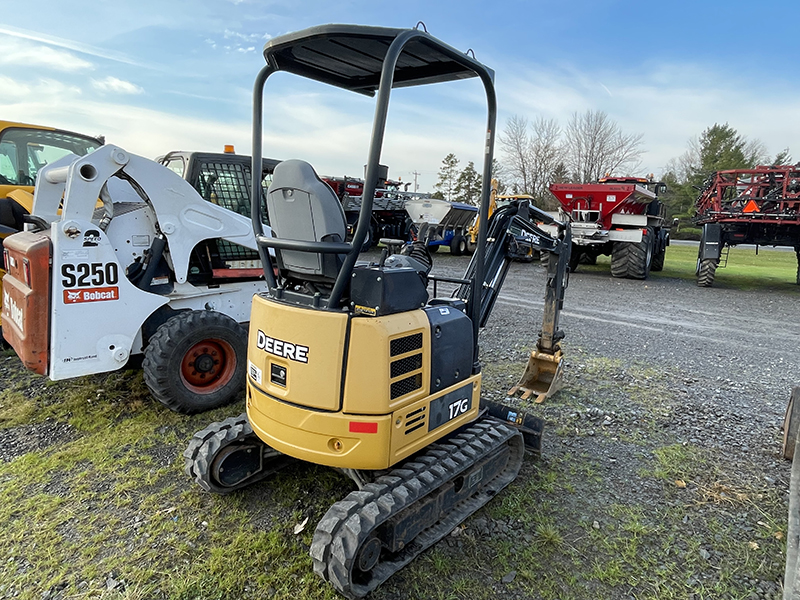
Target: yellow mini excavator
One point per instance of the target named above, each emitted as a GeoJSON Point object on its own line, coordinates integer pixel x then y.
{"type": "Point", "coordinates": [353, 365]}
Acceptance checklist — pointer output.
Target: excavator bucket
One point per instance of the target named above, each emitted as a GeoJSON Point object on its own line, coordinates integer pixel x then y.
{"type": "Point", "coordinates": [542, 376]}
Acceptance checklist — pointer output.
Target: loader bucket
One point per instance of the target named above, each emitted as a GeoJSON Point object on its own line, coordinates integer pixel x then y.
{"type": "Point", "coordinates": [542, 376]}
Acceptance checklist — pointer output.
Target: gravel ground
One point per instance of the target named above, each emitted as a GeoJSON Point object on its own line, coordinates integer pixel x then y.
{"type": "Point", "coordinates": [651, 367]}
{"type": "Point", "coordinates": [722, 364]}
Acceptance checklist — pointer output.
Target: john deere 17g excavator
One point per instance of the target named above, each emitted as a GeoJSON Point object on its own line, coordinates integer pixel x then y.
{"type": "Point", "coordinates": [350, 364]}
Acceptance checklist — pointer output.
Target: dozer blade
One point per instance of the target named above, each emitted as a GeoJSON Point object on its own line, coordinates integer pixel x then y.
{"type": "Point", "coordinates": [542, 376]}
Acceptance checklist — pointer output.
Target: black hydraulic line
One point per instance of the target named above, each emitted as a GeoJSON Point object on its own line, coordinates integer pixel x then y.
{"type": "Point", "coordinates": [154, 257]}
{"type": "Point", "coordinates": [513, 223]}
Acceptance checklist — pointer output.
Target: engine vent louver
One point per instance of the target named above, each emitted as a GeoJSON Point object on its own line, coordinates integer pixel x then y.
{"type": "Point", "coordinates": [406, 371]}
{"type": "Point", "coordinates": [406, 386]}
{"type": "Point", "coordinates": [415, 419]}
{"type": "Point", "coordinates": [406, 365]}
{"type": "Point", "coordinates": [405, 344]}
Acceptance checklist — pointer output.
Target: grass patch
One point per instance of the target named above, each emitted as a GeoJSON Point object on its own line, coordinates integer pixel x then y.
{"type": "Point", "coordinates": [773, 270]}
{"type": "Point", "coordinates": [112, 502]}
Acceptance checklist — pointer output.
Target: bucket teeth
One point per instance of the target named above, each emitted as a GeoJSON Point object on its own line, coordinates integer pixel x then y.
{"type": "Point", "coordinates": [542, 377]}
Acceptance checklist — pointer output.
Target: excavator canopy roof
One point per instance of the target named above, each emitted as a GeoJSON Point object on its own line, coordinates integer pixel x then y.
{"type": "Point", "coordinates": [352, 56]}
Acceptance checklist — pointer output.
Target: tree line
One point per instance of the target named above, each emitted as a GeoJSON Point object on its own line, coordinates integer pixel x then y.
{"type": "Point", "coordinates": [537, 153]}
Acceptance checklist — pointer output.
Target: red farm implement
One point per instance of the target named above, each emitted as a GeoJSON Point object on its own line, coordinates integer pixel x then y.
{"type": "Point", "coordinates": [617, 216]}
{"type": "Point", "coordinates": [759, 206]}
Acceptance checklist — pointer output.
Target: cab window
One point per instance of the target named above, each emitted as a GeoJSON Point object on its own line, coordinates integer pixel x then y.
{"type": "Point", "coordinates": [23, 151]}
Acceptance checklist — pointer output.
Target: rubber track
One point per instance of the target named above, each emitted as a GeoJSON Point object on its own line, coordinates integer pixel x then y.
{"type": "Point", "coordinates": [708, 269]}
{"type": "Point", "coordinates": [348, 523]}
{"type": "Point", "coordinates": [206, 444]}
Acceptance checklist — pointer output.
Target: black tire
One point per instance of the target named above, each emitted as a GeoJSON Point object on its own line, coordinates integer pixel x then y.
{"type": "Point", "coordinates": [369, 241]}
{"type": "Point", "coordinates": [633, 260]}
{"type": "Point", "coordinates": [658, 260]}
{"type": "Point", "coordinates": [574, 259]}
{"type": "Point", "coordinates": [170, 363]}
{"type": "Point", "coordinates": [458, 245]}
{"type": "Point", "coordinates": [471, 247]}
{"type": "Point", "coordinates": [706, 272]}
{"type": "Point", "coordinates": [797, 280]}
{"type": "Point", "coordinates": [619, 259]}
{"type": "Point", "coordinates": [588, 259]}
{"type": "Point", "coordinates": [433, 249]}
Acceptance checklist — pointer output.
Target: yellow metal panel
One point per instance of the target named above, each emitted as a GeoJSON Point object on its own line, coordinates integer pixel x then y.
{"type": "Point", "coordinates": [368, 380]}
{"type": "Point", "coordinates": [296, 353]}
{"type": "Point", "coordinates": [22, 195]}
{"type": "Point", "coordinates": [319, 437]}
{"type": "Point", "coordinates": [405, 444]}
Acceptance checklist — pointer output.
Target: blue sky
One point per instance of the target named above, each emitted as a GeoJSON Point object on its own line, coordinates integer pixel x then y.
{"type": "Point", "coordinates": [154, 76]}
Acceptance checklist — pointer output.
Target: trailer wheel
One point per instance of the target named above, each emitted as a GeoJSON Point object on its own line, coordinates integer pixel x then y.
{"type": "Point", "coordinates": [706, 272]}
{"type": "Point", "coordinates": [434, 248]}
{"type": "Point", "coordinates": [458, 245]}
{"type": "Point", "coordinates": [658, 260]}
{"type": "Point", "coordinates": [196, 361]}
{"type": "Point", "coordinates": [574, 259]}
{"type": "Point", "coordinates": [797, 254]}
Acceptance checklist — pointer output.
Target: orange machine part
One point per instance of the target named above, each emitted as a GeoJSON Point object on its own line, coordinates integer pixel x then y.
{"type": "Point", "coordinates": [26, 298]}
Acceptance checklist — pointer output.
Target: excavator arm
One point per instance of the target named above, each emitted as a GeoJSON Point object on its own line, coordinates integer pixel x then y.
{"type": "Point", "coordinates": [514, 230]}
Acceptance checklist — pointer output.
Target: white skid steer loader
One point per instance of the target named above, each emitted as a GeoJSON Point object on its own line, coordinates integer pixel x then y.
{"type": "Point", "coordinates": [118, 260]}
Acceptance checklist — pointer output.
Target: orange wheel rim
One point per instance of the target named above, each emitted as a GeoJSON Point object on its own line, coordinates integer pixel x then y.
{"type": "Point", "coordinates": [208, 366]}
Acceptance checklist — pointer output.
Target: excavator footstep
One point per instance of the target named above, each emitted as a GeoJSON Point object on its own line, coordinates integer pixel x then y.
{"type": "Point", "coordinates": [542, 377]}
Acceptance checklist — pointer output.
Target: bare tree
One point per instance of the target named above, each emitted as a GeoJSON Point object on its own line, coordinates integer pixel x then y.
{"type": "Point", "coordinates": [547, 152]}
{"type": "Point", "coordinates": [516, 146]}
{"type": "Point", "coordinates": [531, 152]}
{"type": "Point", "coordinates": [596, 145]}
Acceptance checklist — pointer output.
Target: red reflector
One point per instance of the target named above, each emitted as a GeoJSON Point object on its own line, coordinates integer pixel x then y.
{"type": "Point", "coordinates": [750, 207]}
{"type": "Point", "coordinates": [361, 427]}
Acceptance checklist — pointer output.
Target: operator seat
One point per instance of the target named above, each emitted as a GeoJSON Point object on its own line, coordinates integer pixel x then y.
{"type": "Point", "coordinates": [303, 207]}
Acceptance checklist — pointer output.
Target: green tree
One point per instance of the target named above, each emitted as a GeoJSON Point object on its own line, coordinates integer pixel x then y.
{"type": "Point", "coordinates": [718, 148]}
{"type": "Point", "coordinates": [448, 177]}
{"type": "Point", "coordinates": [468, 185]}
{"type": "Point", "coordinates": [784, 157]}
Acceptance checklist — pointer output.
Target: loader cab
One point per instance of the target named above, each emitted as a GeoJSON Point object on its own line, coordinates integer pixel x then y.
{"type": "Point", "coordinates": [222, 179]}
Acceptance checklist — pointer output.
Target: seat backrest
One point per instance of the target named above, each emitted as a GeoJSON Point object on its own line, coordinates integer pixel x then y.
{"type": "Point", "coordinates": [303, 207]}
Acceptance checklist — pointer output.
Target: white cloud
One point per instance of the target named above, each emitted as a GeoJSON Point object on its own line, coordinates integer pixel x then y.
{"type": "Point", "coordinates": [668, 103]}
{"type": "Point", "coordinates": [116, 86]}
{"type": "Point", "coordinates": [58, 42]}
{"type": "Point", "coordinates": [23, 53]}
